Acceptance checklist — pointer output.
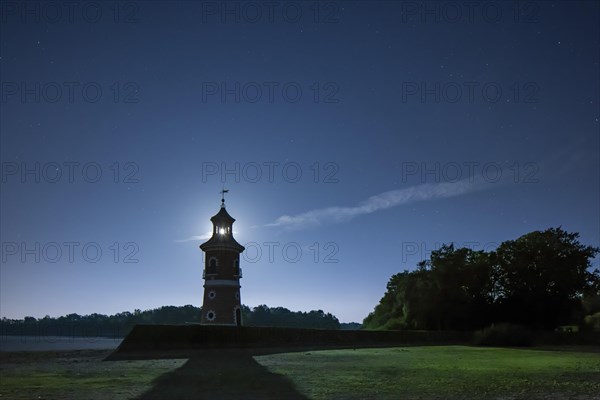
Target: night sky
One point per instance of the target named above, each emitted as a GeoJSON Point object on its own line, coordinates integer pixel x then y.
{"type": "Point", "coordinates": [354, 138]}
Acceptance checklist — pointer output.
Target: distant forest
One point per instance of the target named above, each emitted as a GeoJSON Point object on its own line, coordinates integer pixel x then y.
{"type": "Point", "coordinates": [541, 281]}
{"type": "Point", "coordinates": [118, 325]}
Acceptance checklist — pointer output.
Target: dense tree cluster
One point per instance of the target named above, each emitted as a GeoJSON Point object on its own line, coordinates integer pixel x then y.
{"type": "Point", "coordinates": [120, 324]}
{"type": "Point", "coordinates": [540, 280]}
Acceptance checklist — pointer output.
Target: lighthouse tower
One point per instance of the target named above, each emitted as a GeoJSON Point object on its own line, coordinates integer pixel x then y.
{"type": "Point", "coordinates": [222, 272]}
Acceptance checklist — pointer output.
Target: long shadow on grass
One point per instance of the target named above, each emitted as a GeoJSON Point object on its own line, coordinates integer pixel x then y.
{"type": "Point", "coordinates": [222, 375]}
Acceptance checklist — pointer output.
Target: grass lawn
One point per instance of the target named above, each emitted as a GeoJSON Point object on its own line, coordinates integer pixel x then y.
{"type": "Point", "coordinates": [76, 375]}
{"type": "Point", "coordinates": [441, 372]}
{"type": "Point", "coordinates": [427, 372]}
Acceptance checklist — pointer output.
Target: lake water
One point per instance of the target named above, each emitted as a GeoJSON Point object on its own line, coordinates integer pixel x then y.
{"type": "Point", "coordinates": [56, 343]}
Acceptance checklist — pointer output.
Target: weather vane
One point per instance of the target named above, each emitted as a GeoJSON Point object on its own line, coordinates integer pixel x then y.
{"type": "Point", "coordinates": [223, 191]}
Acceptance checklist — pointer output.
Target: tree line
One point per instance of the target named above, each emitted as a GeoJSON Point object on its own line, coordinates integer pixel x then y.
{"type": "Point", "coordinates": [282, 317]}
{"type": "Point", "coordinates": [541, 280]}
{"type": "Point", "coordinates": [118, 325]}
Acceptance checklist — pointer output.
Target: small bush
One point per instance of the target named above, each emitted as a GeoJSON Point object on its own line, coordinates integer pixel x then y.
{"type": "Point", "coordinates": [504, 335]}
{"type": "Point", "coordinates": [593, 322]}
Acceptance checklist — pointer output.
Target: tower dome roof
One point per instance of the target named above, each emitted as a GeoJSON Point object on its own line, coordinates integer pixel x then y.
{"type": "Point", "coordinates": [222, 237]}
{"type": "Point", "coordinates": [222, 216]}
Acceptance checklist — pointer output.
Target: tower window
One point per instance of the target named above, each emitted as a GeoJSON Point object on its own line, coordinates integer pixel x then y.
{"type": "Point", "coordinates": [212, 265]}
{"type": "Point", "coordinates": [211, 315]}
{"type": "Point", "coordinates": [212, 294]}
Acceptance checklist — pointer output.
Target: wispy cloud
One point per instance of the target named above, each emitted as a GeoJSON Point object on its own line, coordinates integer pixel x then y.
{"type": "Point", "coordinates": [204, 236]}
{"type": "Point", "coordinates": [197, 238]}
{"type": "Point", "coordinates": [382, 201]}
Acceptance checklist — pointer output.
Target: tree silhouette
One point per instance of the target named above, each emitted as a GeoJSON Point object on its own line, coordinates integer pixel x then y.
{"type": "Point", "coordinates": [542, 279]}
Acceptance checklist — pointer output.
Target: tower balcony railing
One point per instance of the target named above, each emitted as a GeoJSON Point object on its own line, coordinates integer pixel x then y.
{"type": "Point", "coordinates": [207, 274]}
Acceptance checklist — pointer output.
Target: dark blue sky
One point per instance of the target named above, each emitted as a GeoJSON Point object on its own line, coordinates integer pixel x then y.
{"type": "Point", "coordinates": [411, 123]}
